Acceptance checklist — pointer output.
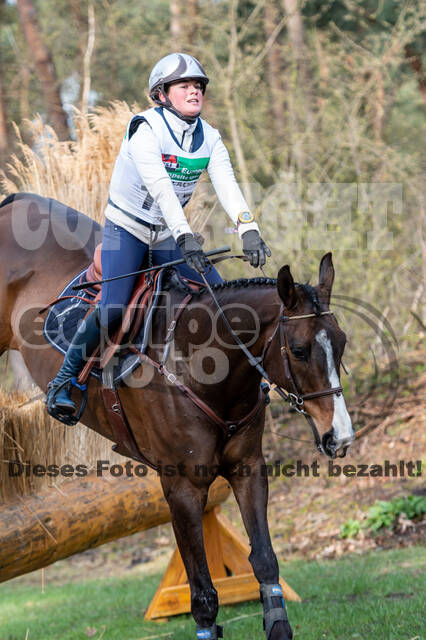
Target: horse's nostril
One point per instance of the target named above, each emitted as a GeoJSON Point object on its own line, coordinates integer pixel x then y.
{"type": "Point", "coordinates": [344, 450]}
{"type": "Point", "coordinates": [329, 444]}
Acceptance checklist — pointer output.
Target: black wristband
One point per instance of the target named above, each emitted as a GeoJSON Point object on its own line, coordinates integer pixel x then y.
{"type": "Point", "coordinates": [180, 240]}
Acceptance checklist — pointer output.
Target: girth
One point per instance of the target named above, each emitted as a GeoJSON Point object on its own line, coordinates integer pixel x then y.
{"type": "Point", "coordinates": [229, 427]}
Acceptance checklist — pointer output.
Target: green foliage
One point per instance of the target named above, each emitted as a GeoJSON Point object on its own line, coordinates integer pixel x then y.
{"type": "Point", "coordinates": [350, 529]}
{"type": "Point", "coordinates": [384, 513]}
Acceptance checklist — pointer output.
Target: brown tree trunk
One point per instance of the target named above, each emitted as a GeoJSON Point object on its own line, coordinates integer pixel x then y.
{"type": "Point", "coordinates": [229, 103]}
{"type": "Point", "coordinates": [176, 23]}
{"type": "Point", "coordinates": [379, 108]}
{"type": "Point", "coordinates": [24, 92]}
{"type": "Point", "coordinates": [87, 57]}
{"type": "Point", "coordinates": [297, 39]}
{"type": "Point", "coordinates": [3, 118]}
{"type": "Point", "coordinates": [275, 70]}
{"type": "Point", "coordinates": [44, 67]}
{"type": "Point", "coordinates": [4, 142]}
{"type": "Point", "coordinates": [417, 66]}
{"type": "Point", "coordinates": [80, 19]}
{"type": "Point", "coordinates": [192, 17]}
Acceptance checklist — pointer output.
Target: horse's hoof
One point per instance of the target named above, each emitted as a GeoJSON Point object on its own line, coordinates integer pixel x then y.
{"type": "Point", "coordinates": [281, 631]}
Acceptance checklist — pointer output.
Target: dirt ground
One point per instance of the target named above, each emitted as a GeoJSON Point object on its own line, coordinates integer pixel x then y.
{"type": "Point", "coordinates": [305, 510]}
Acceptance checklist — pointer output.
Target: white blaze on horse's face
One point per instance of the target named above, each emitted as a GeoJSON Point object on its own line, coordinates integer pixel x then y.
{"type": "Point", "coordinates": [342, 424]}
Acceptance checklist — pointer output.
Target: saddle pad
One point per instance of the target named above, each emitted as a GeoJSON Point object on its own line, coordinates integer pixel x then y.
{"type": "Point", "coordinates": [64, 316]}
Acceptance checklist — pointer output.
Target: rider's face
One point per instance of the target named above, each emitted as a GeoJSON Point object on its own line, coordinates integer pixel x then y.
{"type": "Point", "coordinates": [186, 96]}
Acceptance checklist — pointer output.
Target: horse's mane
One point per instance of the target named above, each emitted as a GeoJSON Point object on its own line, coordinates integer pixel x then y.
{"type": "Point", "coordinates": [245, 282]}
{"type": "Point", "coordinates": [307, 289]}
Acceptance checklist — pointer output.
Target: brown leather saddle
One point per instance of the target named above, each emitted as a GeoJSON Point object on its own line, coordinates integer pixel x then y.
{"type": "Point", "coordinates": [140, 308]}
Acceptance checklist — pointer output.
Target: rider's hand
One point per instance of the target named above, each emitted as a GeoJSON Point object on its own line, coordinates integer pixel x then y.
{"type": "Point", "coordinates": [192, 252]}
{"type": "Point", "coordinates": [254, 248]}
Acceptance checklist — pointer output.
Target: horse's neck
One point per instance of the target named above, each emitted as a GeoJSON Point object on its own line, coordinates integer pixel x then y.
{"type": "Point", "coordinates": [263, 305]}
{"type": "Point", "coordinates": [257, 307]}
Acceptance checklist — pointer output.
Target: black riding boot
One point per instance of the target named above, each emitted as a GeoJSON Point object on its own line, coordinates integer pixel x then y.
{"type": "Point", "coordinates": [81, 348]}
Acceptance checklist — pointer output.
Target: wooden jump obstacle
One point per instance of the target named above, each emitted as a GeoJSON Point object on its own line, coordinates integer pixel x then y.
{"type": "Point", "coordinates": [56, 523]}
{"type": "Point", "coordinates": [231, 572]}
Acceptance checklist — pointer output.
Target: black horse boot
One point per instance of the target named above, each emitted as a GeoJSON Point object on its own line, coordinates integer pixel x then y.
{"type": "Point", "coordinates": [209, 633]}
{"type": "Point", "coordinates": [83, 344]}
{"type": "Point", "coordinates": [271, 596]}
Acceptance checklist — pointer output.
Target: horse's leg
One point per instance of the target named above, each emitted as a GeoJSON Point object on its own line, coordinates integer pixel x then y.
{"type": "Point", "coordinates": [187, 503]}
{"type": "Point", "coordinates": [251, 493]}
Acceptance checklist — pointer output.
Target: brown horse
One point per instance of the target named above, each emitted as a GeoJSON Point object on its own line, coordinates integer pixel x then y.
{"type": "Point", "coordinates": [287, 326]}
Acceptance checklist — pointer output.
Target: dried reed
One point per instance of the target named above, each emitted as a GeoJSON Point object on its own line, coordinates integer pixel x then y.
{"type": "Point", "coordinates": [74, 172]}
{"type": "Point", "coordinates": [29, 434]}
{"type": "Point", "coordinates": [77, 172]}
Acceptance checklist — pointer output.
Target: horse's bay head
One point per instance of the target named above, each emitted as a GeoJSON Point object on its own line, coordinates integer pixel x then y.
{"type": "Point", "coordinates": [306, 352]}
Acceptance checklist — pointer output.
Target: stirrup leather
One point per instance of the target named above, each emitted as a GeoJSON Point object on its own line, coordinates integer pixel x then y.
{"type": "Point", "coordinates": [69, 420]}
{"type": "Point", "coordinates": [272, 613]}
{"type": "Point", "coordinates": [209, 633]}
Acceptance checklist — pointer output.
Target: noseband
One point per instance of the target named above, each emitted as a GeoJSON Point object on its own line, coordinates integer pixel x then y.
{"type": "Point", "coordinates": [295, 399]}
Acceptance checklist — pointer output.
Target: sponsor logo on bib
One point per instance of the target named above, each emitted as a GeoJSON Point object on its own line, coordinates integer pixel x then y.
{"type": "Point", "coordinates": [184, 169]}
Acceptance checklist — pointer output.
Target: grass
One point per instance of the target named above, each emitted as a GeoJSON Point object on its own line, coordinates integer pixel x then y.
{"type": "Point", "coordinates": [376, 596]}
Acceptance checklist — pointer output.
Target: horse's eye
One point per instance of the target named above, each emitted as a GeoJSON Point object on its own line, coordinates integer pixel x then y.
{"type": "Point", "coordinates": [299, 353]}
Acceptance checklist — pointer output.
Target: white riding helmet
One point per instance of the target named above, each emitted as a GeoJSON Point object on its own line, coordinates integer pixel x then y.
{"type": "Point", "coordinates": [175, 66]}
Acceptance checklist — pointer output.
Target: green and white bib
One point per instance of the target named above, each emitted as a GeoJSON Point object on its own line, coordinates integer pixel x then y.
{"type": "Point", "coordinates": [127, 189]}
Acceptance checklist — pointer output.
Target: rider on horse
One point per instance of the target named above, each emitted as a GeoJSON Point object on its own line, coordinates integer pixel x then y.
{"type": "Point", "coordinates": [164, 152]}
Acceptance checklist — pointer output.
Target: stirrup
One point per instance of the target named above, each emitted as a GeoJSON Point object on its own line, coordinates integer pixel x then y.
{"type": "Point", "coordinates": [69, 420]}
{"type": "Point", "coordinates": [272, 614]}
{"type": "Point", "coordinates": [209, 633]}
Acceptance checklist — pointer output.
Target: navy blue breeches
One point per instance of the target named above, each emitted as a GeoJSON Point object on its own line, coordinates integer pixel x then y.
{"type": "Point", "coordinates": [123, 253]}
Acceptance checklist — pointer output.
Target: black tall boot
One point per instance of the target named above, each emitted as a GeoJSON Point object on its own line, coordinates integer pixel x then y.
{"type": "Point", "coordinates": [81, 348]}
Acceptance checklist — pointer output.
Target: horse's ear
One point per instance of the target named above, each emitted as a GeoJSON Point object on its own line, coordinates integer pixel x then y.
{"type": "Point", "coordinates": [286, 288]}
{"type": "Point", "coordinates": [326, 278]}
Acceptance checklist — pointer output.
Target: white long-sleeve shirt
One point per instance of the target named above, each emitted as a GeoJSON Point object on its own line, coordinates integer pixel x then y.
{"type": "Point", "coordinates": [146, 154]}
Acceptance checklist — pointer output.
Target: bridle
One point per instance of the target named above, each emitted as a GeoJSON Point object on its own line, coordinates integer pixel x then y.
{"type": "Point", "coordinates": [294, 398]}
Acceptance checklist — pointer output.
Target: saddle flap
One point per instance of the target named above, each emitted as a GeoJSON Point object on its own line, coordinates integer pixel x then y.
{"type": "Point", "coordinates": [140, 302]}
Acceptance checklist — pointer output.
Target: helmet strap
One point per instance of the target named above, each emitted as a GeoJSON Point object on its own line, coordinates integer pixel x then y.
{"type": "Point", "coordinates": [169, 106]}
{"type": "Point", "coordinates": [187, 119]}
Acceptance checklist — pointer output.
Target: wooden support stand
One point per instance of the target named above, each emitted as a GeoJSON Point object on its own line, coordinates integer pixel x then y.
{"type": "Point", "coordinates": [232, 575]}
